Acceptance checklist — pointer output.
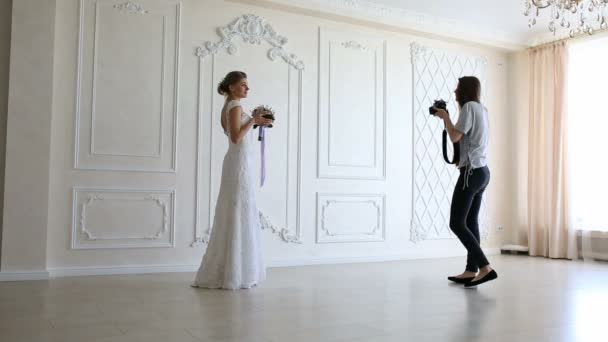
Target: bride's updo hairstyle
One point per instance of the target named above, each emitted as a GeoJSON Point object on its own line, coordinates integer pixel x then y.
{"type": "Point", "coordinates": [231, 78]}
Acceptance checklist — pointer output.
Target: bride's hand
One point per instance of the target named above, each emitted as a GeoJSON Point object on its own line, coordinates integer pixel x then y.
{"type": "Point", "coordinates": [259, 120]}
{"type": "Point", "coordinates": [257, 116]}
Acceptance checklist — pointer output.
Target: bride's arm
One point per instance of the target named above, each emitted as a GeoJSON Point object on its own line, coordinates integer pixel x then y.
{"type": "Point", "coordinates": [237, 132]}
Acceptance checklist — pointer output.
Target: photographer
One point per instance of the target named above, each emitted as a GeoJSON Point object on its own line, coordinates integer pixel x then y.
{"type": "Point", "coordinates": [471, 133]}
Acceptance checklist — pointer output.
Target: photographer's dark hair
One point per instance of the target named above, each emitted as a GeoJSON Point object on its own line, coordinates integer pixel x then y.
{"type": "Point", "coordinates": [469, 89]}
{"type": "Point", "coordinates": [223, 88]}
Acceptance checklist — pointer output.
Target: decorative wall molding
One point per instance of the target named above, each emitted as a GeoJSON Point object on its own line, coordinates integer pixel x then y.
{"type": "Point", "coordinates": [417, 52]}
{"type": "Point", "coordinates": [327, 204]}
{"type": "Point", "coordinates": [131, 7]}
{"type": "Point", "coordinates": [421, 54]}
{"type": "Point", "coordinates": [155, 236]}
{"type": "Point", "coordinates": [251, 29]}
{"type": "Point", "coordinates": [283, 233]}
{"type": "Point", "coordinates": [351, 44]}
{"type": "Point", "coordinates": [87, 155]}
{"type": "Point", "coordinates": [436, 74]}
{"type": "Point", "coordinates": [85, 199]}
{"type": "Point", "coordinates": [417, 233]}
{"type": "Point", "coordinates": [373, 49]}
{"type": "Point", "coordinates": [372, 230]}
{"type": "Point", "coordinates": [93, 151]}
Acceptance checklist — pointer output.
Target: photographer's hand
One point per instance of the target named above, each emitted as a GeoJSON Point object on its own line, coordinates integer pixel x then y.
{"type": "Point", "coordinates": [441, 113]}
{"type": "Point", "coordinates": [454, 134]}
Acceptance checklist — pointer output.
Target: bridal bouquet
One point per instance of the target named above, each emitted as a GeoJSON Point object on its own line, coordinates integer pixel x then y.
{"type": "Point", "coordinates": [267, 113]}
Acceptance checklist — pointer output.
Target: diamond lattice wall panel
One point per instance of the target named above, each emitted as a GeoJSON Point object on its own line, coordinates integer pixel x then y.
{"type": "Point", "coordinates": [435, 76]}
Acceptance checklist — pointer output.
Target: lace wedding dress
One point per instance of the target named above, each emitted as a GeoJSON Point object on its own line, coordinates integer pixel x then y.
{"type": "Point", "coordinates": [233, 258]}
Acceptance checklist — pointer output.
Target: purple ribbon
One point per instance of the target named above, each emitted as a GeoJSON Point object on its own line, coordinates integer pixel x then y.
{"type": "Point", "coordinates": [262, 139]}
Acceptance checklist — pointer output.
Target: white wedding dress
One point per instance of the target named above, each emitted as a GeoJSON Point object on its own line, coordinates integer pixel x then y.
{"type": "Point", "coordinates": [233, 259]}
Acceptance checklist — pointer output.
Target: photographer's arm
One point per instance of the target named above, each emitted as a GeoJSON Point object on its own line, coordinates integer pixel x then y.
{"type": "Point", "coordinates": [454, 134]}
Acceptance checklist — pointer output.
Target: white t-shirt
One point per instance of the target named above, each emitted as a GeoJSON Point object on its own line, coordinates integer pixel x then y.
{"type": "Point", "coordinates": [473, 124]}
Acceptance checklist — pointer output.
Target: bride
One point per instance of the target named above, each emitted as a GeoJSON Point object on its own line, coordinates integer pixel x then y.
{"type": "Point", "coordinates": [233, 259]}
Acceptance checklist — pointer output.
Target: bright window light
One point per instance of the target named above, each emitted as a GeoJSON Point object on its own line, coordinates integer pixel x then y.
{"type": "Point", "coordinates": [588, 133]}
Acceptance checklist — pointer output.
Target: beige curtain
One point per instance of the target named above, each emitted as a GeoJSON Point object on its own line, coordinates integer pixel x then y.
{"type": "Point", "coordinates": [549, 224]}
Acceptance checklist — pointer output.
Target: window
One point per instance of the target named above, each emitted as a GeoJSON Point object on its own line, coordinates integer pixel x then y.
{"type": "Point", "coordinates": [588, 133]}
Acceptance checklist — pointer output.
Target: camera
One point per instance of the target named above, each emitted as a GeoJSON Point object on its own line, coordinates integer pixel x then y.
{"type": "Point", "coordinates": [438, 104]}
{"type": "Point", "coordinates": [441, 104]}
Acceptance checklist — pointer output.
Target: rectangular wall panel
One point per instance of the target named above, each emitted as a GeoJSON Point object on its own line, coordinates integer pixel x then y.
{"type": "Point", "coordinates": [126, 115]}
{"type": "Point", "coordinates": [122, 218]}
{"type": "Point", "coordinates": [351, 137]}
{"type": "Point", "coordinates": [350, 218]}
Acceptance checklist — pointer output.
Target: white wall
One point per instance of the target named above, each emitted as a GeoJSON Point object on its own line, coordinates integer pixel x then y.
{"type": "Point", "coordinates": [28, 148]}
{"type": "Point", "coordinates": [329, 201]}
{"type": "Point", "coordinates": [520, 87]}
{"type": "Point", "coordinates": [6, 10]}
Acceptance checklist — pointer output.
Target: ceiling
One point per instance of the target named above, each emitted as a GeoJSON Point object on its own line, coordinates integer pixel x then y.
{"type": "Point", "coordinates": [499, 23]}
{"type": "Point", "coordinates": [505, 16]}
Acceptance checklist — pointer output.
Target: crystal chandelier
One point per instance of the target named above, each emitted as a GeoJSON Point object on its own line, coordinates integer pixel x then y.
{"type": "Point", "coordinates": [579, 16]}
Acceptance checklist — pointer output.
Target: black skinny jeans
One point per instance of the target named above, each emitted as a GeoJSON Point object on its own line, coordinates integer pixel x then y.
{"type": "Point", "coordinates": [464, 213]}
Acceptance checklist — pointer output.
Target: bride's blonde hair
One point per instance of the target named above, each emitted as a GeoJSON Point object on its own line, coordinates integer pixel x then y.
{"type": "Point", "coordinates": [223, 88]}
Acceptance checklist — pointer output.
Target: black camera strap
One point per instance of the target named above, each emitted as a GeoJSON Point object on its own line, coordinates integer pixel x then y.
{"type": "Point", "coordinates": [456, 157]}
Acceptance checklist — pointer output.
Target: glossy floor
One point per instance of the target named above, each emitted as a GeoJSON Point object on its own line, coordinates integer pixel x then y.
{"type": "Point", "coordinates": [534, 299]}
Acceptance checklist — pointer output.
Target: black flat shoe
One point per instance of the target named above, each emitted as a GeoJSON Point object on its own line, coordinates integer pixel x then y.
{"type": "Point", "coordinates": [488, 277]}
{"type": "Point", "coordinates": [460, 280]}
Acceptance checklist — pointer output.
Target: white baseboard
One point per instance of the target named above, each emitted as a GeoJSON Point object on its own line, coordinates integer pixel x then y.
{"type": "Point", "coordinates": [598, 256]}
{"type": "Point", "coordinates": [146, 269]}
{"type": "Point", "coordinates": [126, 269]}
{"type": "Point", "coordinates": [24, 275]}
